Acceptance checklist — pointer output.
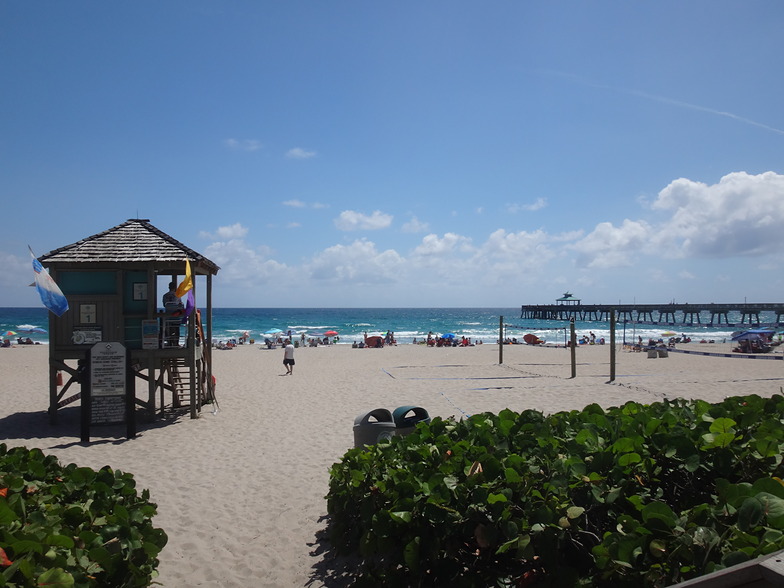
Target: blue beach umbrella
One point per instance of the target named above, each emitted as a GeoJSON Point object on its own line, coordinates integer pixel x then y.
{"type": "Point", "coordinates": [748, 336]}
{"type": "Point", "coordinates": [272, 332]}
{"type": "Point", "coordinates": [448, 336]}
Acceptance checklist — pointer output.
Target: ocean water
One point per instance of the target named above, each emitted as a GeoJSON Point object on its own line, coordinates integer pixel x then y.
{"type": "Point", "coordinates": [480, 324]}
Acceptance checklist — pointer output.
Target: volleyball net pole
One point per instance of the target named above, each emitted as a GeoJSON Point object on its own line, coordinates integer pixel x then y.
{"type": "Point", "coordinates": [573, 347]}
{"type": "Point", "coordinates": [501, 340]}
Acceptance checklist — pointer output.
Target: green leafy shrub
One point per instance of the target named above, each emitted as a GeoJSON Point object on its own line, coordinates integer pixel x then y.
{"type": "Point", "coordinates": [73, 526]}
{"type": "Point", "coordinates": [639, 495]}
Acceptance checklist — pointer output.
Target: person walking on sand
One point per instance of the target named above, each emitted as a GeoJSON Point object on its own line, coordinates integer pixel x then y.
{"type": "Point", "coordinates": [288, 357]}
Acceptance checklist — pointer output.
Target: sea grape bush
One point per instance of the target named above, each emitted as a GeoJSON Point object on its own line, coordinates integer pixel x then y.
{"type": "Point", "coordinates": [638, 495]}
{"type": "Point", "coordinates": [73, 526]}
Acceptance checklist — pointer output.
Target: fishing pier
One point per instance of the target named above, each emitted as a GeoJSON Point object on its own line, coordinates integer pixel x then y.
{"type": "Point", "coordinates": [567, 308]}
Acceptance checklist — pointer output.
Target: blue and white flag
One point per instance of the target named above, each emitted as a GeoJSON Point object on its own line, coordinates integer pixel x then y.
{"type": "Point", "coordinates": [50, 293]}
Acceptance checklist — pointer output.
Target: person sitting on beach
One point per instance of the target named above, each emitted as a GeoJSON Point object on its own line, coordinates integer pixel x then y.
{"type": "Point", "coordinates": [6, 343]}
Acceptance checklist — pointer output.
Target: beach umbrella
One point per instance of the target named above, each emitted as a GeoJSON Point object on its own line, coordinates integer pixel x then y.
{"type": "Point", "coordinates": [448, 336]}
{"type": "Point", "coordinates": [272, 332]}
{"type": "Point", "coordinates": [9, 333]}
{"type": "Point", "coordinates": [331, 333]}
{"type": "Point", "coordinates": [747, 336]}
{"type": "Point", "coordinates": [668, 334]}
{"type": "Point", "coordinates": [30, 329]}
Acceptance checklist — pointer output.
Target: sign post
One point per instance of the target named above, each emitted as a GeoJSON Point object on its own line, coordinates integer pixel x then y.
{"type": "Point", "coordinates": [107, 395]}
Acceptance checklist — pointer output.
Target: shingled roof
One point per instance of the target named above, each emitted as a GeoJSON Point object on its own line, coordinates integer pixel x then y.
{"type": "Point", "coordinates": [134, 241]}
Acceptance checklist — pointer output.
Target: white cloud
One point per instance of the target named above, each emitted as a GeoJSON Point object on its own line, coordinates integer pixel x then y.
{"type": "Point", "coordinates": [295, 203]}
{"type": "Point", "coordinates": [359, 263]}
{"type": "Point", "coordinates": [245, 266]}
{"type": "Point", "coordinates": [243, 144]}
{"type": "Point", "coordinates": [235, 231]}
{"type": "Point", "coordinates": [739, 216]}
{"type": "Point", "coordinates": [299, 153]}
{"type": "Point", "coordinates": [242, 265]}
{"type": "Point", "coordinates": [539, 204]}
{"type": "Point", "coordinates": [517, 246]}
{"type": "Point", "coordinates": [691, 220]}
{"type": "Point", "coordinates": [350, 220]}
{"type": "Point", "coordinates": [17, 271]}
{"type": "Point", "coordinates": [432, 245]}
{"type": "Point", "coordinates": [609, 246]}
{"type": "Point", "coordinates": [414, 225]}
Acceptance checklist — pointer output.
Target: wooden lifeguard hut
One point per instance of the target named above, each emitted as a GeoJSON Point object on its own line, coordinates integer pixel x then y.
{"type": "Point", "coordinates": [111, 283]}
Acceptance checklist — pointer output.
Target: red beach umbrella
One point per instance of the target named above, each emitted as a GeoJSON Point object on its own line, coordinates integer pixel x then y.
{"type": "Point", "coordinates": [331, 333]}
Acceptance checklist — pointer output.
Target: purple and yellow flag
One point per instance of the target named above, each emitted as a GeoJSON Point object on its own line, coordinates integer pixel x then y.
{"type": "Point", "coordinates": [187, 282]}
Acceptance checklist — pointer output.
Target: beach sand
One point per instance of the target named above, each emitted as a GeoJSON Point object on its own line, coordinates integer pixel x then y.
{"type": "Point", "coordinates": [240, 492]}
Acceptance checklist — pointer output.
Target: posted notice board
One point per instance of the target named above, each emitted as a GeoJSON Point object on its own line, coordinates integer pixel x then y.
{"type": "Point", "coordinates": [108, 365]}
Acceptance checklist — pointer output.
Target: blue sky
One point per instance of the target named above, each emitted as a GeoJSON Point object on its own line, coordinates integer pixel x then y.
{"type": "Point", "coordinates": [356, 153]}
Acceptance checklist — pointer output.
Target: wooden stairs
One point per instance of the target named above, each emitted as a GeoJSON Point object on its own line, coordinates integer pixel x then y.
{"type": "Point", "coordinates": [178, 375]}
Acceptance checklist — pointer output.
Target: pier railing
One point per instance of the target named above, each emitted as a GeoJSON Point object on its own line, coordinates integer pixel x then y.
{"type": "Point", "coordinates": [660, 314]}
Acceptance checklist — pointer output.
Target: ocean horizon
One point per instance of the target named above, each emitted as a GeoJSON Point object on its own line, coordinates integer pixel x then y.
{"type": "Point", "coordinates": [408, 324]}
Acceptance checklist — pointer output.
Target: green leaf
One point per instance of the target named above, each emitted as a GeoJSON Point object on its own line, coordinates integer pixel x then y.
{"type": "Point", "coordinates": [750, 513]}
{"type": "Point", "coordinates": [402, 516]}
{"type": "Point", "coordinates": [512, 476]}
{"type": "Point", "coordinates": [60, 541]}
{"type": "Point", "coordinates": [493, 498]}
{"type": "Point", "coordinates": [657, 548]}
{"type": "Point", "coordinates": [574, 511]}
{"type": "Point", "coordinates": [714, 440]}
{"type": "Point", "coordinates": [56, 578]}
{"type": "Point", "coordinates": [722, 425]}
{"type": "Point", "coordinates": [411, 554]}
{"type": "Point", "coordinates": [773, 507]}
{"type": "Point", "coordinates": [586, 437]}
{"type": "Point", "coordinates": [660, 511]}
{"type": "Point", "coordinates": [692, 463]}
{"type": "Point", "coordinates": [623, 445]}
{"type": "Point", "coordinates": [629, 459]}
{"type": "Point", "coordinates": [769, 485]}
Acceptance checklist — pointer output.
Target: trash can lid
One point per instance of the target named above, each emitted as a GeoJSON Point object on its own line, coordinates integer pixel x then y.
{"type": "Point", "coordinates": [379, 415]}
{"type": "Point", "coordinates": [402, 417]}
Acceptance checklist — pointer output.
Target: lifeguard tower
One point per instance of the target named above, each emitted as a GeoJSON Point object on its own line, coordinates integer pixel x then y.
{"type": "Point", "coordinates": [111, 282]}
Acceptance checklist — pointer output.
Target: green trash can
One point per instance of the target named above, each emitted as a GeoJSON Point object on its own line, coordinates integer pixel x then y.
{"type": "Point", "coordinates": [373, 426]}
{"type": "Point", "coordinates": [407, 417]}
